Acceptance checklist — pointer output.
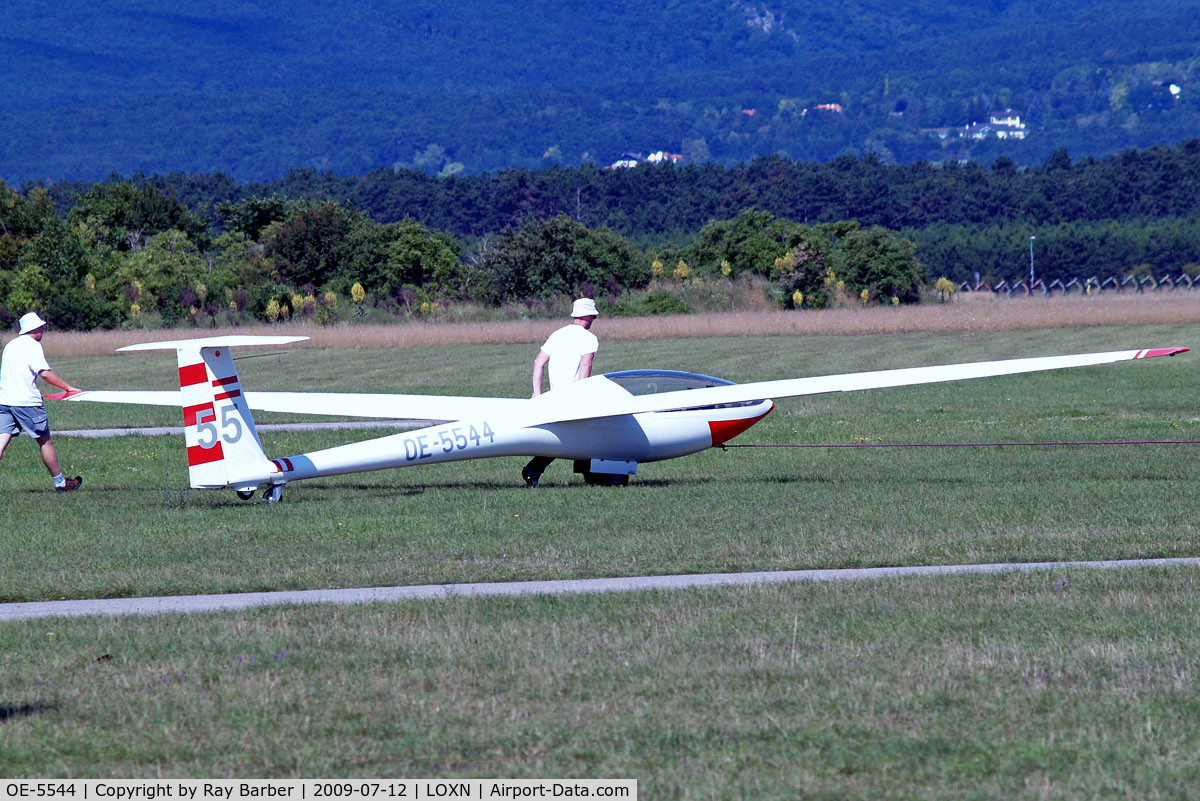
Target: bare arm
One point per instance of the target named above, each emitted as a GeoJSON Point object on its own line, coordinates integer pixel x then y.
{"type": "Point", "coordinates": [539, 367]}
{"type": "Point", "coordinates": [50, 377]}
{"type": "Point", "coordinates": [585, 365]}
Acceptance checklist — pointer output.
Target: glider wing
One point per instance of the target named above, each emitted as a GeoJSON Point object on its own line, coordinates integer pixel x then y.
{"type": "Point", "coordinates": [589, 398]}
{"type": "Point", "coordinates": [594, 397]}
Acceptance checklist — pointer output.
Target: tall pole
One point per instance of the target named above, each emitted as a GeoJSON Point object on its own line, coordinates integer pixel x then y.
{"type": "Point", "coordinates": [1031, 238]}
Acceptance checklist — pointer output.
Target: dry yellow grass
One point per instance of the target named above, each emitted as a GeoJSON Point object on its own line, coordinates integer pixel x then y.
{"type": "Point", "coordinates": [966, 314]}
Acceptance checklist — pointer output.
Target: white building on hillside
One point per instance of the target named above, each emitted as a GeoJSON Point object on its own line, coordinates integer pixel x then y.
{"type": "Point", "coordinates": [1004, 124]}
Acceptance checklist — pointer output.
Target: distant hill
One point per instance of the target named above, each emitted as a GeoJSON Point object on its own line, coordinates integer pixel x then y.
{"type": "Point", "coordinates": [253, 89]}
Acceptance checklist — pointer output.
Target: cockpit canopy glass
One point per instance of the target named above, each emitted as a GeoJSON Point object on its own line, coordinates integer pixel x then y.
{"type": "Point", "coordinates": [652, 382]}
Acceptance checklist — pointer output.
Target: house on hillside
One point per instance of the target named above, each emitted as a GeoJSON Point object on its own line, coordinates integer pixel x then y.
{"type": "Point", "coordinates": [628, 160]}
{"type": "Point", "coordinates": [1004, 124]}
{"type": "Point", "coordinates": [1006, 117]}
{"type": "Point", "coordinates": [660, 156]}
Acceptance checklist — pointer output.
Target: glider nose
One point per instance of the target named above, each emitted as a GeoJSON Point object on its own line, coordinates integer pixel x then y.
{"type": "Point", "coordinates": [724, 430]}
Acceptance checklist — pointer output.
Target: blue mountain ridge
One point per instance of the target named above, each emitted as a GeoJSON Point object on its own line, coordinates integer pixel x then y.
{"type": "Point", "coordinates": [254, 89]}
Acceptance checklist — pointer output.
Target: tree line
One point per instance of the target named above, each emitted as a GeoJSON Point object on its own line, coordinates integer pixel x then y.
{"type": "Point", "coordinates": [133, 255]}
{"type": "Point", "coordinates": [658, 202]}
{"type": "Point", "coordinates": [203, 249]}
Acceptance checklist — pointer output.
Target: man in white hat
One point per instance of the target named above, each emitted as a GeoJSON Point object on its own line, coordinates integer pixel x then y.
{"type": "Point", "coordinates": [568, 352]}
{"type": "Point", "coordinates": [21, 409]}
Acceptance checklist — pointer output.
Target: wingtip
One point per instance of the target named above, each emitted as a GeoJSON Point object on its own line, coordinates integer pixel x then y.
{"type": "Point", "coordinates": [1154, 352]}
{"type": "Point", "coordinates": [63, 395]}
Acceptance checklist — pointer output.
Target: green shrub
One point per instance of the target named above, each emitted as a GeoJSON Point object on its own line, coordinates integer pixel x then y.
{"type": "Point", "coordinates": [649, 303]}
{"type": "Point", "coordinates": [80, 310]}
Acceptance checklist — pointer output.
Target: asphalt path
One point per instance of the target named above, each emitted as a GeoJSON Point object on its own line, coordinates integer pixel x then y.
{"type": "Point", "coordinates": [190, 604]}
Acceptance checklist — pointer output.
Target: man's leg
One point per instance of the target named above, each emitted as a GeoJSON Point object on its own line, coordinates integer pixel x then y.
{"type": "Point", "coordinates": [9, 428]}
{"type": "Point", "coordinates": [50, 459]}
{"type": "Point", "coordinates": [532, 472]}
{"type": "Point", "coordinates": [49, 454]}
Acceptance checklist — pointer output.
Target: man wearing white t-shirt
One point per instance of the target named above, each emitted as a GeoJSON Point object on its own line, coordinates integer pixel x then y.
{"type": "Point", "coordinates": [21, 409]}
{"type": "Point", "coordinates": [567, 356]}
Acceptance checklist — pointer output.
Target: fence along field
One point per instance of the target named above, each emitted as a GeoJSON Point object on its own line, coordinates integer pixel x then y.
{"type": "Point", "coordinates": [1086, 286]}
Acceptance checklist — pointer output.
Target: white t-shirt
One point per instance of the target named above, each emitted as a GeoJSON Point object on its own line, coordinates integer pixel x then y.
{"type": "Point", "coordinates": [22, 360]}
{"type": "Point", "coordinates": [566, 347]}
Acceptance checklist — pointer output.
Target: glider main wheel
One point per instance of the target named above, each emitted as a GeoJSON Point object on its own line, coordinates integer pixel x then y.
{"type": "Point", "coordinates": [606, 479]}
{"type": "Point", "coordinates": [245, 495]}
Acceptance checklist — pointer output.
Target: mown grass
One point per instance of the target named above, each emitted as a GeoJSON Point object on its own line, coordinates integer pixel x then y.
{"type": "Point", "coordinates": [1057, 685]}
{"type": "Point", "coordinates": [1052, 685]}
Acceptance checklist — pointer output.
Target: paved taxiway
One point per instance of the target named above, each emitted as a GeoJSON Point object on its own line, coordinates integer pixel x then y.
{"type": "Point", "coordinates": [186, 604]}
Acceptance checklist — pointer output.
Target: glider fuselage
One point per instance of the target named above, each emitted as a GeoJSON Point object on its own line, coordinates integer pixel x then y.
{"type": "Point", "coordinates": [631, 438]}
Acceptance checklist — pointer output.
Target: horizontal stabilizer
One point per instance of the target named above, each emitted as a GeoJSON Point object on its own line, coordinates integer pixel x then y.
{"type": "Point", "coordinates": [230, 341]}
{"type": "Point", "coordinates": [378, 406]}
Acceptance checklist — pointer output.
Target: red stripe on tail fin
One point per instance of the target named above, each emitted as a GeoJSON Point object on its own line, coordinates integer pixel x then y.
{"type": "Point", "coordinates": [192, 374]}
{"type": "Point", "coordinates": [190, 412]}
{"type": "Point", "coordinates": [198, 455]}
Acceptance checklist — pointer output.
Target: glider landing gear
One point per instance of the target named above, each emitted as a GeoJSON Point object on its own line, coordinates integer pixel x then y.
{"type": "Point", "coordinates": [246, 494]}
{"type": "Point", "coordinates": [605, 472]}
{"type": "Point", "coordinates": [273, 493]}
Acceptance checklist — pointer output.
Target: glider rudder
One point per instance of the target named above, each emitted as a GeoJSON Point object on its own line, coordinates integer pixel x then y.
{"type": "Point", "coordinates": [223, 448]}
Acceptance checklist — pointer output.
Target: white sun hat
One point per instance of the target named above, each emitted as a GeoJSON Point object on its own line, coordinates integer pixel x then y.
{"type": "Point", "coordinates": [31, 322]}
{"type": "Point", "coordinates": [584, 307]}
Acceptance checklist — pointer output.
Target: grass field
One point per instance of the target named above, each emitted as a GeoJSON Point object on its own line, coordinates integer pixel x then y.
{"type": "Point", "coordinates": [1063, 684]}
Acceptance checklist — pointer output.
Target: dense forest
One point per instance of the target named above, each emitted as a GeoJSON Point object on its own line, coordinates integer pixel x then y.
{"type": "Point", "coordinates": [206, 249]}
{"type": "Point", "coordinates": [254, 90]}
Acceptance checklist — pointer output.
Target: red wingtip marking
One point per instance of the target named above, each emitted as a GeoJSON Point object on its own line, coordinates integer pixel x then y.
{"type": "Point", "coordinates": [62, 395]}
{"type": "Point", "coordinates": [724, 430]}
{"type": "Point", "coordinates": [1152, 352]}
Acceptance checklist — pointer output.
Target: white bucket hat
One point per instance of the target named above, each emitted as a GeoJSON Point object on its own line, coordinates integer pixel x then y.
{"type": "Point", "coordinates": [584, 307]}
{"type": "Point", "coordinates": [31, 322]}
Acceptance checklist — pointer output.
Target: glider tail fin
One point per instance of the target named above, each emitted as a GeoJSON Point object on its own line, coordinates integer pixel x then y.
{"type": "Point", "coordinates": [223, 448]}
{"type": "Point", "coordinates": [222, 441]}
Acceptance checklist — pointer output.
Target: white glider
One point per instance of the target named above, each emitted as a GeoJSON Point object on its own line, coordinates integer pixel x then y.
{"type": "Point", "coordinates": [607, 424]}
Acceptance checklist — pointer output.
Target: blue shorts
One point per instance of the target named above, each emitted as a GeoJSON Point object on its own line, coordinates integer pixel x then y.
{"type": "Point", "coordinates": [30, 419]}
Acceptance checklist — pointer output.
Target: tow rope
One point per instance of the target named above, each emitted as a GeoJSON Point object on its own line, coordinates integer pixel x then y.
{"type": "Point", "coordinates": [963, 444]}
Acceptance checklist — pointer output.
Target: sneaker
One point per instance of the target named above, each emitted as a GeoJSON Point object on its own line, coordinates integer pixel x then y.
{"type": "Point", "coordinates": [72, 484]}
{"type": "Point", "coordinates": [531, 478]}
